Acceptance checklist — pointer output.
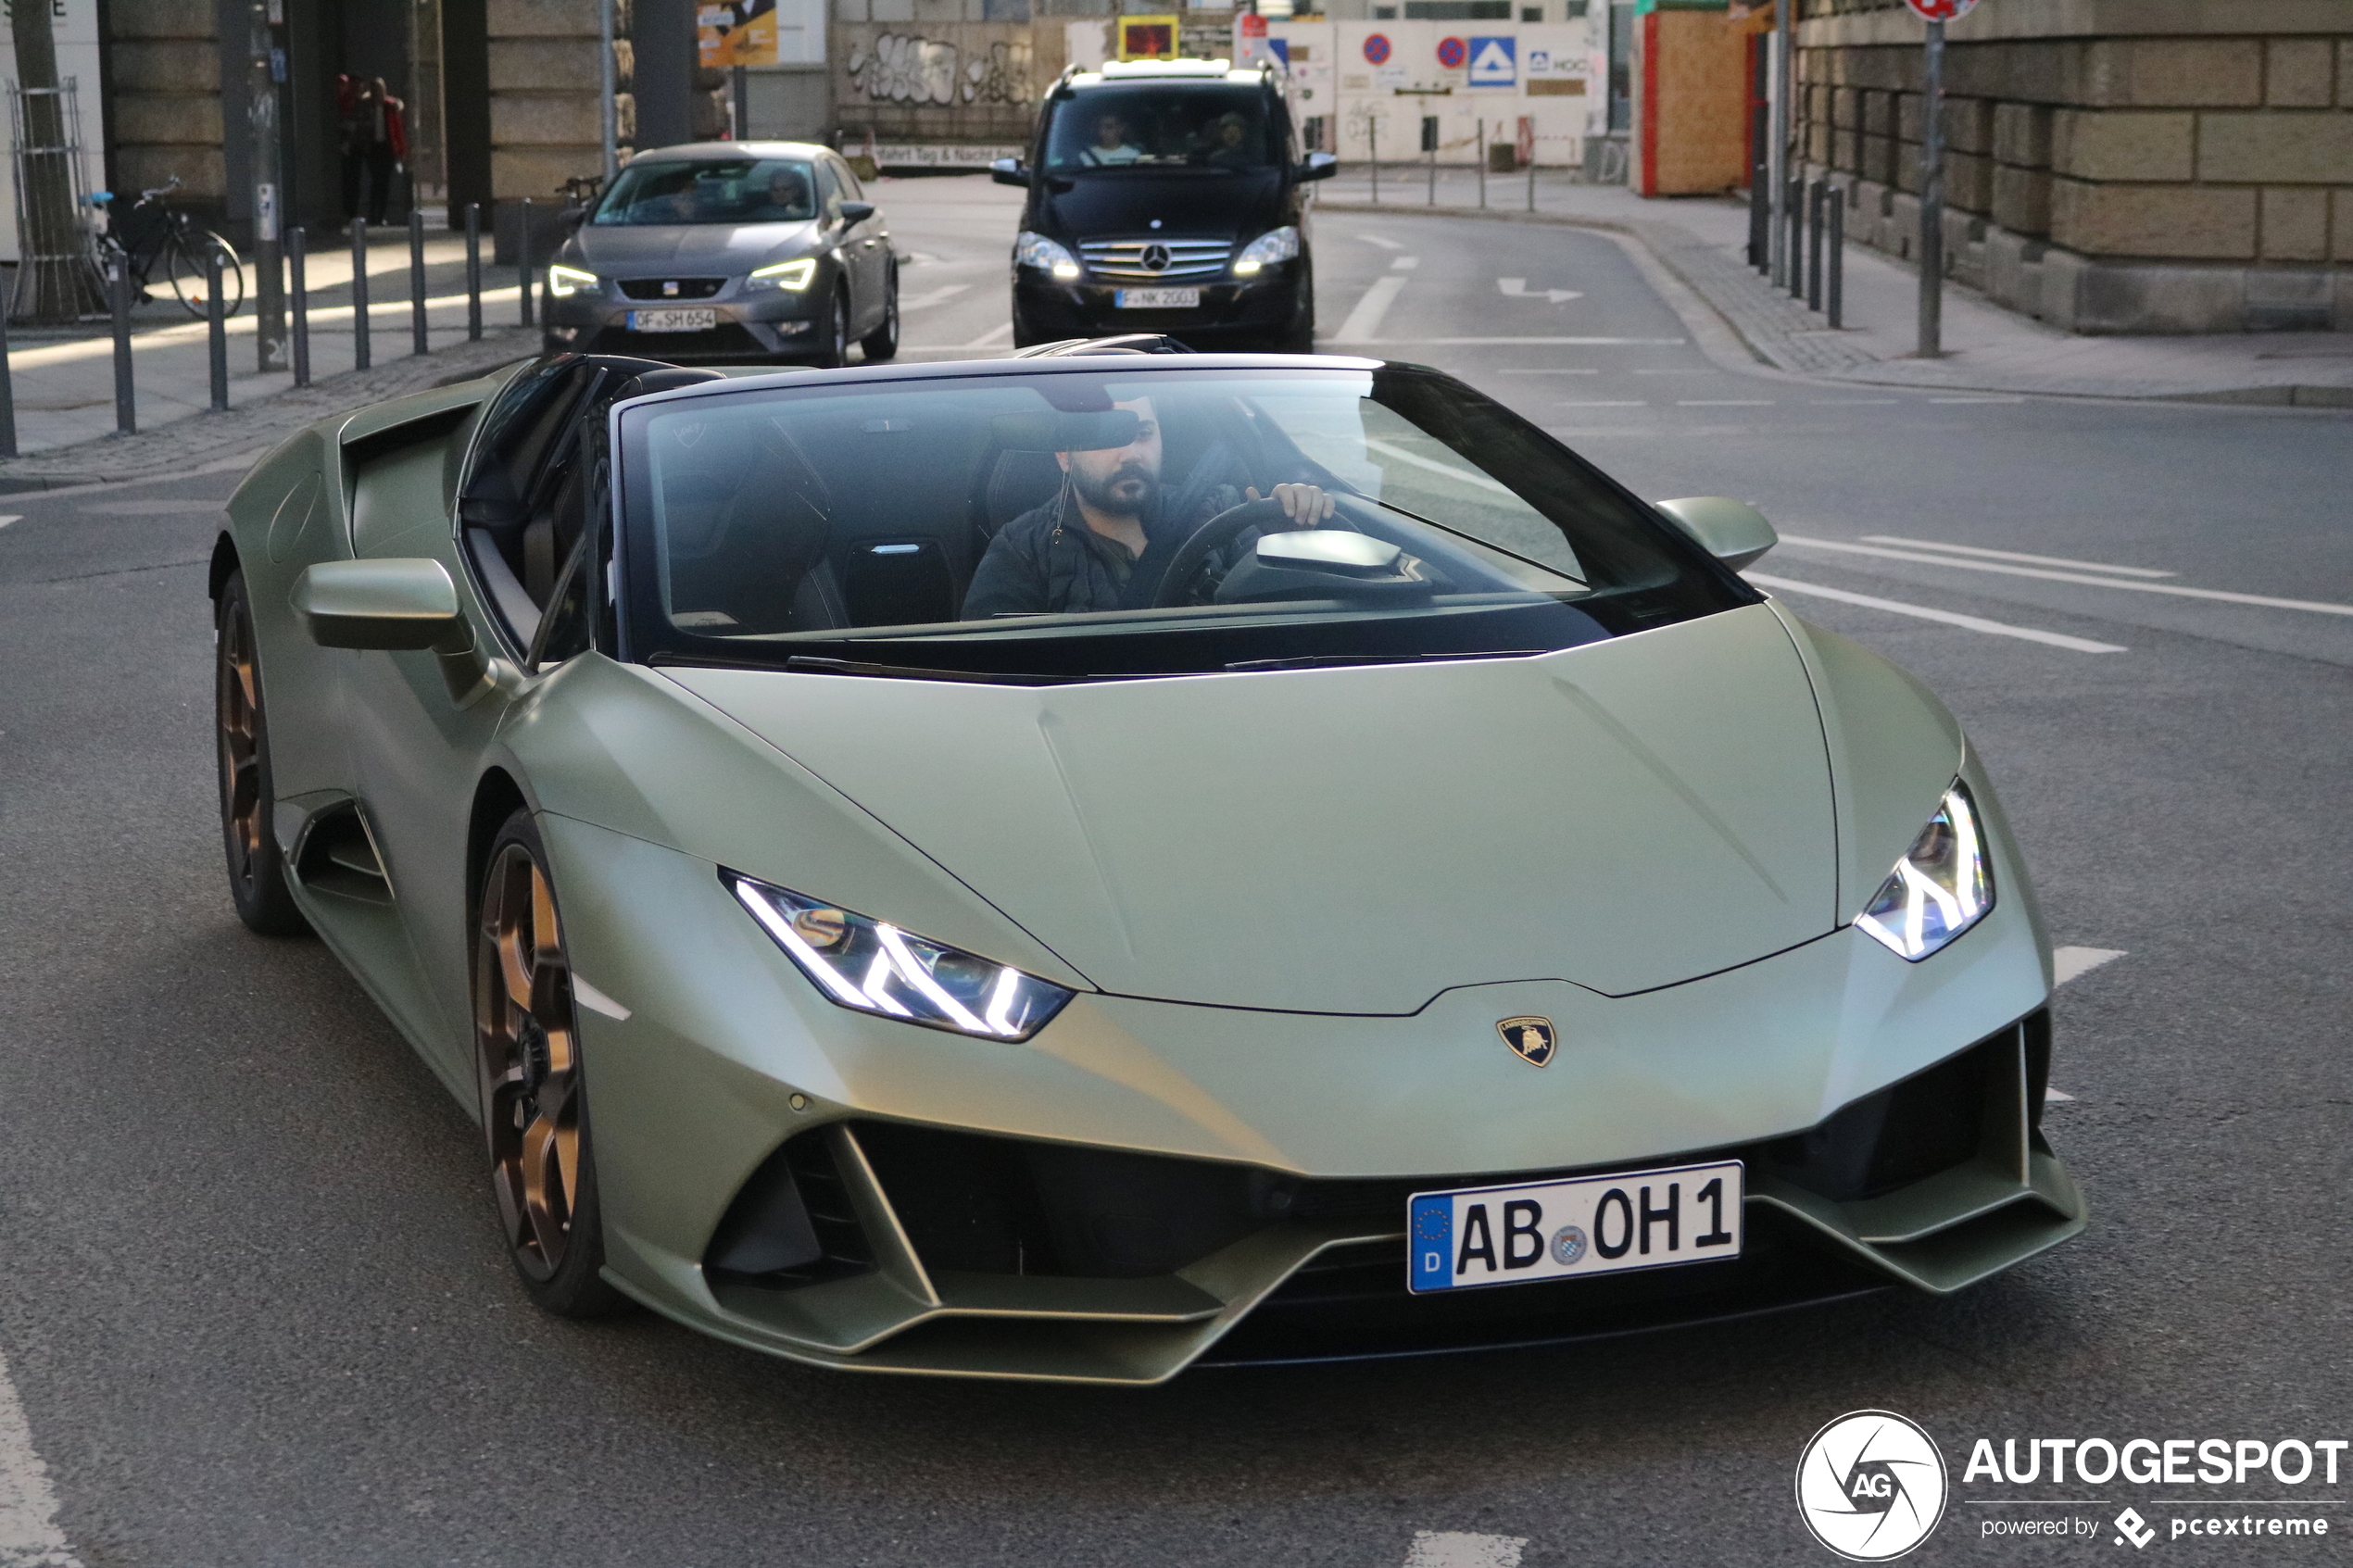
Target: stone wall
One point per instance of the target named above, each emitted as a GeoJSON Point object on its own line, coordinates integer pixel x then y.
{"type": "Point", "coordinates": [546, 86]}
{"type": "Point", "coordinates": [164, 61]}
{"type": "Point", "coordinates": [2112, 166]}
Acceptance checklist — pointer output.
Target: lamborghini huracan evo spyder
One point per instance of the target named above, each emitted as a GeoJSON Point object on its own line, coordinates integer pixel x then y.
{"type": "Point", "coordinates": [1412, 895]}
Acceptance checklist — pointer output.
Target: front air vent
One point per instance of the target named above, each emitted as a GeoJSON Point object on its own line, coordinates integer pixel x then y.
{"type": "Point", "coordinates": [792, 1223]}
{"type": "Point", "coordinates": [337, 856]}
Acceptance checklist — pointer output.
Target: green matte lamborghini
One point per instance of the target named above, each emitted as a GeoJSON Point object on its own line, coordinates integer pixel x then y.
{"type": "Point", "coordinates": [1075, 865]}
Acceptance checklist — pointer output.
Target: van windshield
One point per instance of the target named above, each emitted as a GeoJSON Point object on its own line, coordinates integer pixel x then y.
{"type": "Point", "coordinates": [1078, 523]}
{"type": "Point", "coordinates": [1198, 125]}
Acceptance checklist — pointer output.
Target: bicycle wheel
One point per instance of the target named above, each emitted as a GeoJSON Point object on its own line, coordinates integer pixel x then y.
{"type": "Point", "coordinates": [184, 256]}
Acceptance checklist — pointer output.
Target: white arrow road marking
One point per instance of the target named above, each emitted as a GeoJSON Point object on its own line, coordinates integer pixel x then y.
{"type": "Point", "coordinates": [1364, 322]}
{"type": "Point", "coordinates": [1516, 288]}
{"type": "Point", "coordinates": [2265, 601]}
{"type": "Point", "coordinates": [12, 517]}
{"type": "Point", "coordinates": [1950, 617]}
{"type": "Point", "coordinates": [29, 1533]}
{"type": "Point", "coordinates": [2013, 554]}
{"type": "Point", "coordinates": [945, 291]}
{"type": "Point", "coordinates": [2070, 963]}
{"type": "Point", "coordinates": [1460, 1548]}
{"type": "Point", "coordinates": [1405, 263]}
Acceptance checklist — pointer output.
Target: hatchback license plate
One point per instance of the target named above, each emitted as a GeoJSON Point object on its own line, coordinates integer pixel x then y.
{"type": "Point", "coordinates": [1555, 1230]}
{"type": "Point", "coordinates": [672, 321]}
{"type": "Point", "coordinates": [1156, 299]}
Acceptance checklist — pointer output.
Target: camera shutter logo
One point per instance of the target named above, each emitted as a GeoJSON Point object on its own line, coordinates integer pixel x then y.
{"type": "Point", "coordinates": [1871, 1486]}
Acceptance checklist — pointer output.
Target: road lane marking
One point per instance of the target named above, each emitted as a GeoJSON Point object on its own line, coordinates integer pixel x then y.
{"type": "Point", "coordinates": [2014, 555]}
{"type": "Point", "coordinates": [1852, 402]}
{"type": "Point", "coordinates": [1363, 321]}
{"type": "Point", "coordinates": [994, 338]}
{"type": "Point", "coordinates": [2069, 963]}
{"type": "Point", "coordinates": [2261, 600]}
{"type": "Point", "coordinates": [1585, 371]}
{"type": "Point", "coordinates": [1977, 400]}
{"type": "Point", "coordinates": [1949, 618]}
{"type": "Point", "coordinates": [1723, 402]}
{"type": "Point", "coordinates": [12, 517]}
{"type": "Point", "coordinates": [1545, 342]}
{"type": "Point", "coordinates": [1516, 288]}
{"type": "Point", "coordinates": [1405, 263]}
{"type": "Point", "coordinates": [29, 1533]}
{"type": "Point", "coordinates": [1635, 403]}
{"type": "Point", "coordinates": [587, 995]}
{"type": "Point", "coordinates": [945, 291]}
{"type": "Point", "coordinates": [1462, 1549]}
{"type": "Point", "coordinates": [1377, 240]}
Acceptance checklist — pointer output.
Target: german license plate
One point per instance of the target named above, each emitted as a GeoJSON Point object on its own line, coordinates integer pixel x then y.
{"type": "Point", "coordinates": [1555, 1230]}
{"type": "Point", "coordinates": [1156, 299]}
{"type": "Point", "coordinates": [672, 321]}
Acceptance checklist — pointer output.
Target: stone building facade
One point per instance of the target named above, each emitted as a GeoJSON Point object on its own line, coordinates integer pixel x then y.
{"type": "Point", "coordinates": [2113, 166]}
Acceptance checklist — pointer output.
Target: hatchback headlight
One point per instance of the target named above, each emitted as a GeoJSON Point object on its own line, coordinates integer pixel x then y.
{"type": "Point", "coordinates": [1274, 245]}
{"type": "Point", "coordinates": [790, 276]}
{"type": "Point", "coordinates": [565, 281]}
{"type": "Point", "coordinates": [1941, 886]}
{"type": "Point", "coordinates": [1036, 250]}
{"type": "Point", "coordinates": [874, 967]}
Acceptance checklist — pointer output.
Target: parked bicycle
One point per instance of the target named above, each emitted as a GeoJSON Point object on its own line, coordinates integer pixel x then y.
{"type": "Point", "coordinates": [151, 235]}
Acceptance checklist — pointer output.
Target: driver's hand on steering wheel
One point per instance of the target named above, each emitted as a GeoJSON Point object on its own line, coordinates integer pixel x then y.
{"type": "Point", "coordinates": [1305, 505]}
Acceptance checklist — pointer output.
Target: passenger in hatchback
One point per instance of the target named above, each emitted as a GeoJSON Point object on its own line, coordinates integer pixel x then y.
{"type": "Point", "coordinates": [1104, 541]}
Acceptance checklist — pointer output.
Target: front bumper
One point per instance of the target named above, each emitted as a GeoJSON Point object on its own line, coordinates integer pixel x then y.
{"type": "Point", "coordinates": [1148, 1184]}
{"type": "Point", "coordinates": [1266, 307]}
{"type": "Point", "coordinates": [757, 328]}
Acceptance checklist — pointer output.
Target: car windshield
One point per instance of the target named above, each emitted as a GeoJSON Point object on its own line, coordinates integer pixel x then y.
{"type": "Point", "coordinates": [1194, 125]}
{"type": "Point", "coordinates": [743, 190]}
{"type": "Point", "coordinates": [1085, 522]}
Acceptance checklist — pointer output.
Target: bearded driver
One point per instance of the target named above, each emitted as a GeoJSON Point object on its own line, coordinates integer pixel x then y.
{"type": "Point", "coordinates": [1103, 541]}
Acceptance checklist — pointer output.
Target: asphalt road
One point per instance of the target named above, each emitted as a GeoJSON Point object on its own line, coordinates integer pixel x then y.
{"type": "Point", "coordinates": [254, 1306]}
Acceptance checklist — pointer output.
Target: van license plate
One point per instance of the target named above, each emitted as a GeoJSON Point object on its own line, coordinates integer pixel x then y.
{"type": "Point", "coordinates": [1156, 299]}
{"type": "Point", "coordinates": [1553, 1229]}
{"type": "Point", "coordinates": [672, 321]}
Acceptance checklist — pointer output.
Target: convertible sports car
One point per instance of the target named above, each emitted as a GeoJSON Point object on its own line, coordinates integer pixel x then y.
{"type": "Point", "coordinates": [1422, 898]}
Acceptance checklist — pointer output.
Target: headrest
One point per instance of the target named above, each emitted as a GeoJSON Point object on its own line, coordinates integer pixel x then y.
{"type": "Point", "coordinates": [1021, 481]}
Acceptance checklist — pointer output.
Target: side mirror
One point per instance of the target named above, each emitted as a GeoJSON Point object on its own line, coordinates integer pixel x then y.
{"type": "Point", "coordinates": [1319, 166]}
{"type": "Point", "coordinates": [1733, 531]}
{"type": "Point", "coordinates": [1008, 172]}
{"type": "Point", "coordinates": [857, 212]}
{"type": "Point", "coordinates": [392, 605]}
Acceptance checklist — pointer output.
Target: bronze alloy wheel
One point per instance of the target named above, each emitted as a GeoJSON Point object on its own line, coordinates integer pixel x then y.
{"type": "Point", "coordinates": [257, 871]}
{"type": "Point", "coordinates": [534, 1104]}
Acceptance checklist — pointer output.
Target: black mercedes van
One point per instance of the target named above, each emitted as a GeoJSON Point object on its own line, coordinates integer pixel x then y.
{"type": "Point", "coordinates": [1166, 196]}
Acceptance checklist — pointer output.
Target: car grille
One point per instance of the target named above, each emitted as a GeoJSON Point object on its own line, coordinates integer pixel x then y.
{"type": "Point", "coordinates": [1156, 259]}
{"type": "Point", "coordinates": [671, 288]}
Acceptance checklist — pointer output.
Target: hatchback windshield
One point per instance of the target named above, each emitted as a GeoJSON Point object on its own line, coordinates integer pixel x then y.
{"type": "Point", "coordinates": [744, 190]}
{"type": "Point", "coordinates": [1202, 126]}
{"type": "Point", "coordinates": [1077, 522]}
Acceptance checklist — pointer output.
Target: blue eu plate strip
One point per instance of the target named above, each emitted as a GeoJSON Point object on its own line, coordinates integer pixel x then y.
{"type": "Point", "coordinates": [1432, 1240]}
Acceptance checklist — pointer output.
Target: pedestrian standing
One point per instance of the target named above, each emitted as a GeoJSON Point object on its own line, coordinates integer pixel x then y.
{"type": "Point", "coordinates": [374, 146]}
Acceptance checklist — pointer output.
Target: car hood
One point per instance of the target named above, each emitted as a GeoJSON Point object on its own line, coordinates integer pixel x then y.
{"type": "Point", "coordinates": [714, 248]}
{"type": "Point", "coordinates": [1623, 815]}
{"type": "Point", "coordinates": [1209, 203]}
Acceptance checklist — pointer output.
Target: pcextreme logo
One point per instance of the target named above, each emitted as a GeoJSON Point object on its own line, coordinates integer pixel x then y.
{"type": "Point", "coordinates": [1871, 1486]}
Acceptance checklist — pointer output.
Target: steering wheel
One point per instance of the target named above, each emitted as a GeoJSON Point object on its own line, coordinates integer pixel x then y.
{"type": "Point", "coordinates": [1267, 515]}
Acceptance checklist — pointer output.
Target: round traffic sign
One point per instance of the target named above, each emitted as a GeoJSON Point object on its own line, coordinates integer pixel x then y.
{"type": "Point", "coordinates": [1451, 52]}
{"type": "Point", "coordinates": [1376, 48]}
{"type": "Point", "coordinates": [1942, 10]}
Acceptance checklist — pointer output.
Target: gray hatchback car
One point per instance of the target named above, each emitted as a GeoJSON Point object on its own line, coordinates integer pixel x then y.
{"type": "Point", "coordinates": [762, 251]}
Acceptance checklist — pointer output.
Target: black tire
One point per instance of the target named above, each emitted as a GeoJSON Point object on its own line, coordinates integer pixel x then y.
{"type": "Point", "coordinates": [535, 1092]}
{"type": "Point", "coordinates": [833, 346]}
{"type": "Point", "coordinates": [883, 342]}
{"type": "Point", "coordinates": [256, 869]}
{"type": "Point", "coordinates": [1024, 337]}
{"type": "Point", "coordinates": [1300, 337]}
{"type": "Point", "coordinates": [183, 260]}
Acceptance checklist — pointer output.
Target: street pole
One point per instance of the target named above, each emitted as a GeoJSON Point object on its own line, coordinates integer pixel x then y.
{"type": "Point", "coordinates": [610, 87]}
{"type": "Point", "coordinates": [1932, 198]}
{"type": "Point", "coordinates": [1777, 93]}
{"type": "Point", "coordinates": [261, 118]}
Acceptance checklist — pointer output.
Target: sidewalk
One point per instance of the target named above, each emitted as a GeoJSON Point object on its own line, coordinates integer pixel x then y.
{"type": "Point", "coordinates": [1703, 241]}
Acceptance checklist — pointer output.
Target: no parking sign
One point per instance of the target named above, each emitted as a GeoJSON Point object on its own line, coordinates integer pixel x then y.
{"type": "Point", "coordinates": [1376, 48]}
{"type": "Point", "coordinates": [1451, 52]}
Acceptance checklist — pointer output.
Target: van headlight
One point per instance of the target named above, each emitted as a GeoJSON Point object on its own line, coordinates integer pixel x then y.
{"type": "Point", "coordinates": [1036, 250]}
{"type": "Point", "coordinates": [789, 276]}
{"type": "Point", "coordinates": [1941, 886]}
{"type": "Point", "coordinates": [565, 281]}
{"type": "Point", "coordinates": [872, 966]}
{"type": "Point", "coordinates": [1273, 246]}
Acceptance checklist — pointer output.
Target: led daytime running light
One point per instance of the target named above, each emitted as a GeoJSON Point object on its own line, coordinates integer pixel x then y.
{"type": "Point", "coordinates": [790, 276]}
{"type": "Point", "coordinates": [565, 281]}
{"type": "Point", "coordinates": [1941, 886]}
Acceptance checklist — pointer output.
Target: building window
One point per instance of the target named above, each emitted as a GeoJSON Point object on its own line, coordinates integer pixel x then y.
{"type": "Point", "coordinates": [1531, 13]}
{"type": "Point", "coordinates": [1458, 10]}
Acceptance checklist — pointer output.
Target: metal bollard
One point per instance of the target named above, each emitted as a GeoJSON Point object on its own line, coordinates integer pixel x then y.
{"type": "Point", "coordinates": [360, 358]}
{"type": "Point", "coordinates": [473, 271]}
{"type": "Point", "coordinates": [1482, 165]}
{"type": "Point", "coordinates": [1793, 252]}
{"type": "Point", "coordinates": [1372, 154]}
{"type": "Point", "coordinates": [7, 395]}
{"type": "Point", "coordinates": [297, 260]}
{"type": "Point", "coordinates": [1532, 178]}
{"type": "Point", "coordinates": [1814, 203]}
{"type": "Point", "coordinates": [126, 409]}
{"type": "Point", "coordinates": [417, 281]}
{"type": "Point", "coordinates": [215, 330]}
{"type": "Point", "coordinates": [522, 260]}
{"type": "Point", "coordinates": [1760, 218]}
{"type": "Point", "coordinates": [1836, 290]}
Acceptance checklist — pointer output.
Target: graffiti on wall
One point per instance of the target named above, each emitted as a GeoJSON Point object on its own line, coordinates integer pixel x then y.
{"type": "Point", "coordinates": [901, 68]}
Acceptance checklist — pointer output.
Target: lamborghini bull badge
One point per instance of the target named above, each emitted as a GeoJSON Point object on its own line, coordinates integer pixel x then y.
{"type": "Point", "coordinates": [1531, 1039]}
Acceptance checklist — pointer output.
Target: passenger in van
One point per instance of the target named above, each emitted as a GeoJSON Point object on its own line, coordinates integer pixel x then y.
{"type": "Point", "coordinates": [1112, 145]}
{"type": "Point", "coordinates": [1105, 539]}
{"type": "Point", "coordinates": [1230, 141]}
